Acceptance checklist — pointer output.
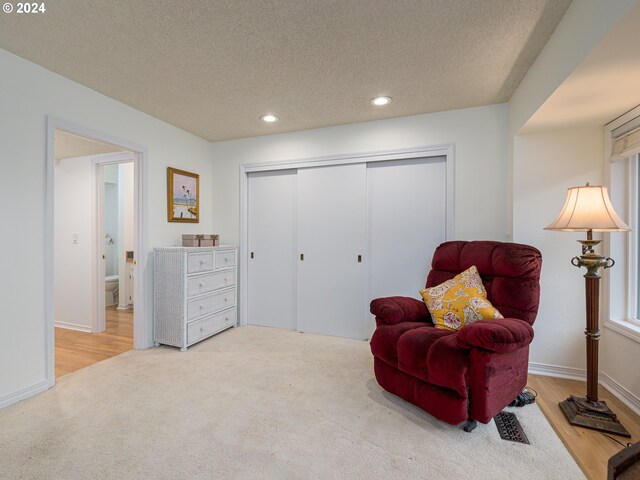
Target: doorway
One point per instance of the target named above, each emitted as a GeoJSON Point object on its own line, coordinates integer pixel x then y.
{"type": "Point", "coordinates": [95, 214]}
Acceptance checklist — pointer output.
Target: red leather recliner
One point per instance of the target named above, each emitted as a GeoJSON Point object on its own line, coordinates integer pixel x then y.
{"type": "Point", "coordinates": [473, 373]}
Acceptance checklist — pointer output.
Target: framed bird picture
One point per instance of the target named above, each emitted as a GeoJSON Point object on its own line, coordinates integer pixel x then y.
{"type": "Point", "coordinates": [183, 196]}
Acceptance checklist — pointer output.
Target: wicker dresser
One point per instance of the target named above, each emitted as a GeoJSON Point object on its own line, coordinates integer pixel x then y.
{"type": "Point", "coordinates": [194, 293]}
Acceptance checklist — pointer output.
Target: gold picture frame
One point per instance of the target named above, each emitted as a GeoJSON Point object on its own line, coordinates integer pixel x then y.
{"type": "Point", "coordinates": [183, 196]}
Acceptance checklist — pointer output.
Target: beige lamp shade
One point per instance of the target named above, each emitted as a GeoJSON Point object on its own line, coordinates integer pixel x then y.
{"type": "Point", "coordinates": [588, 208]}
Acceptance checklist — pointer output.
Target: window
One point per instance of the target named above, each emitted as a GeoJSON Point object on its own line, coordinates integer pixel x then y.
{"type": "Point", "coordinates": [623, 286]}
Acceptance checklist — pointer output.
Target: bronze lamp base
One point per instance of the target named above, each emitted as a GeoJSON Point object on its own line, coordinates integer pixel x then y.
{"type": "Point", "coordinates": [594, 415]}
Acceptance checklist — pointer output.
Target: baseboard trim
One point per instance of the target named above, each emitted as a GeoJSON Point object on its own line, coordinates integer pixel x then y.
{"type": "Point", "coordinates": [621, 393]}
{"type": "Point", "coordinates": [556, 371]}
{"type": "Point", "coordinates": [73, 326]}
{"type": "Point", "coordinates": [624, 395]}
{"type": "Point", "coordinates": [24, 393]}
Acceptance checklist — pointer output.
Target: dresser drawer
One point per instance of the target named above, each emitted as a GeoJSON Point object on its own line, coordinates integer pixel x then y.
{"type": "Point", "coordinates": [198, 307]}
{"type": "Point", "coordinates": [208, 326]}
{"type": "Point", "coordinates": [208, 283]}
{"type": "Point", "coordinates": [199, 262]}
{"type": "Point", "coordinates": [225, 258]}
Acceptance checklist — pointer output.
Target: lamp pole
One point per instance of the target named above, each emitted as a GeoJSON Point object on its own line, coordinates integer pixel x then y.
{"type": "Point", "coordinates": [590, 412]}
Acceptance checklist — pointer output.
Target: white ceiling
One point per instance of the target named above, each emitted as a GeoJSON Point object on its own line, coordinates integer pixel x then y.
{"type": "Point", "coordinates": [605, 85]}
{"type": "Point", "coordinates": [214, 67]}
{"type": "Point", "coordinates": [68, 145]}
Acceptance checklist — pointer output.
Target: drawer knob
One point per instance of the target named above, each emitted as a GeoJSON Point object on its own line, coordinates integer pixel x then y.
{"type": "Point", "coordinates": [201, 307]}
{"type": "Point", "coordinates": [201, 284]}
{"type": "Point", "coordinates": [226, 299]}
{"type": "Point", "coordinates": [225, 280]}
{"type": "Point", "coordinates": [226, 259]}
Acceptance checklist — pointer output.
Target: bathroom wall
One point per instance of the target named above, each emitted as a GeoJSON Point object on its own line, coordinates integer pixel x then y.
{"type": "Point", "coordinates": [112, 240]}
{"type": "Point", "coordinates": [125, 233]}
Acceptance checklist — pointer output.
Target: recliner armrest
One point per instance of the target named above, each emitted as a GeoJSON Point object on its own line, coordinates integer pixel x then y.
{"type": "Point", "coordinates": [392, 310]}
{"type": "Point", "coordinates": [497, 335]}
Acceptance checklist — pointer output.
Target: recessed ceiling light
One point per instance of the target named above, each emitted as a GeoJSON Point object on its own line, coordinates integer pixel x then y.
{"type": "Point", "coordinates": [380, 101]}
{"type": "Point", "coordinates": [269, 118]}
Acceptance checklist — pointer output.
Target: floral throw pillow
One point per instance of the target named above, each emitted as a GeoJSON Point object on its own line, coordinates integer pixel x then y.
{"type": "Point", "coordinates": [459, 301]}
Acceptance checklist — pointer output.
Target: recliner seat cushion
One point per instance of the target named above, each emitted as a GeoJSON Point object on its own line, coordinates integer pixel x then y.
{"type": "Point", "coordinates": [433, 355]}
{"type": "Point", "coordinates": [413, 348]}
{"type": "Point", "coordinates": [425, 352]}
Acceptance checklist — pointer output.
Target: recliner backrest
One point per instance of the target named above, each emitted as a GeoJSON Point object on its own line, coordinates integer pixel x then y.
{"type": "Point", "coordinates": [510, 273]}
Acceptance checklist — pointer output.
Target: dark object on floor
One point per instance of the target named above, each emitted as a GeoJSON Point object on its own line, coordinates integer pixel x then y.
{"type": "Point", "coordinates": [470, 425]}
{"type": "Point", "coordinates": [595, 415]}
{"type": "Point", "coordinates": [475, 372]}
{"type": "Point", "coordinates": [625, 465]}
{"type": "Point", "coordinates": [525, 397]}
{"type": "Point", "coordinates": [509, 428]}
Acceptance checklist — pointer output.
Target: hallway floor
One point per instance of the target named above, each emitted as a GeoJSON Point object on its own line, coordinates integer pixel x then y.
{"type": "Point", "coordinates": [76, 350]}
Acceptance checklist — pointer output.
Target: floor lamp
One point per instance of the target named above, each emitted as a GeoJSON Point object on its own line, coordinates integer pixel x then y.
{"type": "Point", "coordinates": [588, 209]}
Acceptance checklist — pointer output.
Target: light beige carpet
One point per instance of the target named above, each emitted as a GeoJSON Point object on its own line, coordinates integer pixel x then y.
{"type": "Point", "coordinates": [255, 403]}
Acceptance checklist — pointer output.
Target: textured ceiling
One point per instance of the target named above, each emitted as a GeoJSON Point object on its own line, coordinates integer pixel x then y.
{"type": "Point", "coordinates": [213, 67]}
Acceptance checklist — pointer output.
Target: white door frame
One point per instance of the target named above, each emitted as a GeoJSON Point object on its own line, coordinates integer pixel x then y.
{"type": "Point", "coordinates": [141, 321]}
{"type": "Point", "coordinates": [98, 320]}
{"type": "Point", "coordinates": [446, 151]}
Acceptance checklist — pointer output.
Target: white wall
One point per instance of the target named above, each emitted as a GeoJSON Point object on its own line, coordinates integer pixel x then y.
{"type": "Point", "coordinates": [111, 219]}
{"type": "Point", "coordinates": [111, 173]}
{"type": "Point", "coordinates": [126, 232]}
{"type": "Point", "coordinates": [583, 26]}
{"type": "Point", "coordinates": [479, 136]}
{"type": "Point", "coordinates": [618, 359]}
{"type": "Point", "coordinates": [28, 93]}
{"type": "Point", "coordinates": [73, 263]}
{"type": "Point", "coordinates": [547, 164]}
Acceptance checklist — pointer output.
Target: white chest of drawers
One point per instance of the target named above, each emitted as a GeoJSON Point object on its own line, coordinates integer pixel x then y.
{"type": "Point", "coordinates": [194, 293]}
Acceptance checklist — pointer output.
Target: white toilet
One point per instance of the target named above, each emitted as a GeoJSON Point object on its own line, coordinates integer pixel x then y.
{"type": "Point", "coordinates": [111, 284]}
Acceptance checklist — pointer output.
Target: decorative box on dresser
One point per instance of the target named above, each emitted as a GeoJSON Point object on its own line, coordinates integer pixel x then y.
{"type": "Point", "coordinates": [194, 293]}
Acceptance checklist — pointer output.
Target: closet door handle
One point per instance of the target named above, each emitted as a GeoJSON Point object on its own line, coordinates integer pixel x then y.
{"type": "Point", "coordinates": [302, 257]}
{"type": "Point", "coordinates": [251, 254]}
{"type": "Point", "coordinates": [359, 258]}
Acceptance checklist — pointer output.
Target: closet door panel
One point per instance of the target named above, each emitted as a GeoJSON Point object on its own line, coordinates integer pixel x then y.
{"type": "Point", "coordinates": [407, 221]}
{"type": "Point", "coordinates": [272, 241]}
{"type": "Point", "coordinates": [331, 235]}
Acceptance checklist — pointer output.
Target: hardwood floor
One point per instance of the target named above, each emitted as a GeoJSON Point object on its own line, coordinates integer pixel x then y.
{"type": "Point", "coordinates": [590, 449]}
{"type": "Point", "coordinates": [75, 350]}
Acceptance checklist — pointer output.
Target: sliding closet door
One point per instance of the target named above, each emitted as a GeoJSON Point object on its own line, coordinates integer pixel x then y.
{"type": "Point", "coordinates": [407, 219]}
{"type": "Point", "coordinates": [271, 295]}
{"type": "Point", "coordinates": [331, 237]}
